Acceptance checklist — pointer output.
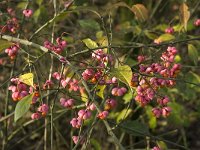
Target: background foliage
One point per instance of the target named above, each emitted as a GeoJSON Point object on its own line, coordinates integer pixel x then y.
{"type": "Point", "coordinates": [130, 28]}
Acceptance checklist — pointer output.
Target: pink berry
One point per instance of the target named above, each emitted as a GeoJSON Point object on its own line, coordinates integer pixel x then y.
{"type": "Point", "coordinates": [15, 96]}
{"type": "Point", "coordinates": [163, 101]}
{"type": "Point", "coordinates": [22, 94]}
{"type": "Point", "coordinates": [76, 139]}
{"type": "Point", "coordinates": [84, 114]}
{"type": "Point", "coordinates": [73, 85]}
{"type": "Point", "coordinates": [76, 122]}
{"type": "Point", "coordinates": [22, 87]}
{"type": "Point", "coordinates": [62, 101]}
{"type": "Point", "coordinates": [35, 116]}
{"type": "Point", "coordinates": [27, 13]}
{"type": "Point", "coordinates": [12, 88]}
{"type": "Point", "coordinates": [169, 30]}
{"type": "Point", "coordinates": [92, 107]}
{"type": "Point", "coordinates": [124, 90]}
{"type": "Point", "coordinates": [166, 111]}
{"type": "Point", "coordinates": [44, 108]}
{"type": "Point", "coordinates": [120, 92]}
{"type": "Point", "coordinates": [141, 58]}
{"type": "Point", "coordinates": [103, 114]}
{"type": "Point", "coordinates": [157, 112]}
{"type": "Point", "coordinates": [110, 103]}
{"type": "Point", "coordinates": [56, 75]}
{"type": "Point", "coordinates": [156, 148]}
{"type": "Point", "coordinates": [114, 80]}
{"type": "Point", "coordinates": [197, 22]}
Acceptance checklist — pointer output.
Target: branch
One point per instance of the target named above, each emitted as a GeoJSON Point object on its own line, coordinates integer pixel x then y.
{"type": "Point", "coordinates": [137, 45]}
{"type": "Point", "coordinates": [28, 43]}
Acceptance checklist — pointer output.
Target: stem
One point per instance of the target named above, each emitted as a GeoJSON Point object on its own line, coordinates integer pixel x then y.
{"type": "Point", "coordinates": [52, 107]}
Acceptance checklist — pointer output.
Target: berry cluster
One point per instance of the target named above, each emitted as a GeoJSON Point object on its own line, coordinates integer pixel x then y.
{"type": "Point", "coordinates": [41, 112]}
{"type": "Point", "coordinates": [12, 51]}
{"type": "Point", "coordinates": [156, 76]}
{"type": "Point", "coordinates": [102, 60]}
{"type": "Point", "coordinates": [58, 47]}
{"type": "Point", "coordinates": [119, 91]}
{"type": "Point", "coordinates": [20, 90]}
{"type": "Point", "coordinates": [83, 114]}
{"type": "Point", "coordinates": [69, 103]}
{"type": "Point", "coordinates": [71, 84]}
{"type": "Point", "coordinates": [12, 24]}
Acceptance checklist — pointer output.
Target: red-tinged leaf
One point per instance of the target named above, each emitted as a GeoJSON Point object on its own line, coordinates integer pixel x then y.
{"type": "Point", "coordinates": [140, 12]}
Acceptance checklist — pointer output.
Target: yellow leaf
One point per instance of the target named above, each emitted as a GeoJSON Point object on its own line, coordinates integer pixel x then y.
{"type": "Point", "coordinates": [27, 78]}
{"type": "Point", "coordinates": [100, 91]}
{"type": "Point", "coordinates": [165, 37]}
{"type": "Point", "coordinates": [90, 43]}
{"type": "Point", "coordinates": [103, 41]}
{"type": "Point", "coordinates": [123, 73]}
{"type": "Point", "coordinates": [184, 15]}
{"type": "Point", "coordinates": [140, 12]}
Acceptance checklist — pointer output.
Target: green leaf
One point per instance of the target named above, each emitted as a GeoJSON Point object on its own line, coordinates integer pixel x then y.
{"type": "Point", "coordinates": [39, 2]}
{"type": "Point", "coordinates": [36, 14]}
{"type": "Point", "coordinates": [23, 106]}
{"type": "Point", "coordinates": [184, 15]}
{"type": "Point", "coordinates": [21, 5]}
{"type": "Point", "coordinates": [61, 16]}
{"type": "Point", "coordinates": [150, 35]}
{"type": "Point", "coordinates": [131, 62]}
{"type": "Point", "coordinates": [135, 128]}
{"type": "Point", "coordinates": [128, 96]}
{"type": "Point", "coordinates": [4, 44]}
{"type": "Point", "coordinates": [123, 73]}
{"type": "Point", "coordinates": [89, 24]}
{"type": "Point", "coordinates": [123, 114]}
{"type": "Point", "coordinates": [137, 30]}
{"type": "Point", "coordinates": [40, 13]}
{"type": "Point", "coordinates": [90, 43]}
{"type": "Point", "coordinates": [100, 91]}
{"type": "Point", "coordinates": [194, 78]}
{"type": "Point", "coordinates": [140, 12]}
{"type": "Point", "coordinates": [152, 119]}
{"type": "Point", "coordinates": [178, 27]}
{"type": "Point", "coordinates": [178, 117]}
{"type": "Point", "coordinates": [161, 27]}
{"type": "Point", "coordinates": [95, 144]}
{"type": "Point", "coordinates": [79, 2]}
{"type": "Point", "coordinates": [27, 78]}
{"type": "Point", "coordinates": [162, 145]}
{"type": "Point", "coordinates": [193, 53]}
